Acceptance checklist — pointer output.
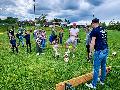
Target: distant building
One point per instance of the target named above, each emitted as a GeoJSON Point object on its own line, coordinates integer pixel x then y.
{"type": "Point", "coordinates": [47, 24]}
{"type": "Point", "coordinates": [63, 24]}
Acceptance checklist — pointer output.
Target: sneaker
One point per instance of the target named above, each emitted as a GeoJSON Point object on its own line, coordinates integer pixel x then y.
{"type": "Point", "coordinates": [37, 54]}
{"type": "Point", "coordinates": [90, 86]}
{"type": "Point", "coordinates": [100, 81]}
{"type": "Point", "coordinates": [43, 53]}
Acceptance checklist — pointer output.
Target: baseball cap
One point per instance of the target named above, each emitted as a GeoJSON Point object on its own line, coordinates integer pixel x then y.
{"type": "Point", "coordinates": [74, 24]}
{"type": "Point", "coordinates": [95, 20]}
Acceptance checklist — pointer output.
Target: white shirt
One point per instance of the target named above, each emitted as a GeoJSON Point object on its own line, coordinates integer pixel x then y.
{"type": "Point", "coordinates": [74, 31]}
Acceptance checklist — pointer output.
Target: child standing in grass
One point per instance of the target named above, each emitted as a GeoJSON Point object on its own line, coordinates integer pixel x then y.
{"type": "Point", "coordinates": [61, 35]}
{"type": "Point", "coordinates": [13, 44]}
{"type": "Point", "coordinates": [52, 36]}
{"type": "Point", "coordinates": [27, 37]}
{"type": "Point", "coordinates": [20, 31]}
{"type": "Point", "coordinates": [38, 43]}
{"type": "Point", "coordinates": [55, 46]}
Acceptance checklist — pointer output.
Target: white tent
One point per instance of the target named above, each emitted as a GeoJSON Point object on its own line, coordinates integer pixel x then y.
{"type": "Point", "coordinates": [80, 23]}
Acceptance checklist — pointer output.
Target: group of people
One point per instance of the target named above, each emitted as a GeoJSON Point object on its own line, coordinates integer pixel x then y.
{"type": "Point", "coordinates": [40, 39]}
{"type": "Point", "coordinates": [96, 41]}
{"type": "Point", "coordinates": [21, 34]}
{"type": "Point", "coordinates": [54, 35]}
{"type": "Point", "coordinates": [55, 40]}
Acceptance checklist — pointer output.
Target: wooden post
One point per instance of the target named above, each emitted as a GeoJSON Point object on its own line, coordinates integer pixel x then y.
{"type": "Point", "coordinates": [78, 80]}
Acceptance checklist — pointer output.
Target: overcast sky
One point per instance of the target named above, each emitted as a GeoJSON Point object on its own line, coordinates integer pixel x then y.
{"type": "Point", "coordinates": [74, 10]}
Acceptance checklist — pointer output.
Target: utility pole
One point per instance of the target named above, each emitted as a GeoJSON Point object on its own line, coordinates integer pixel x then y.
{"type": "Point", "coordinates": [93, 15]}
{"type": "Point", "coordinates": [34, 15]}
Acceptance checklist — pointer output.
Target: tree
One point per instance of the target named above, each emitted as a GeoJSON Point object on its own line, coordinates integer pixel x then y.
{"type": "Point", "coordinates": [103, 24]}
{"type": "Point", "coordinates": [114, 25]}
{"type": "Point", "coordinates": [68, 21]}
{"type": "Point", "coordinates": [9, 20]}
{"type": "Point", "coordinates": [42, 19]}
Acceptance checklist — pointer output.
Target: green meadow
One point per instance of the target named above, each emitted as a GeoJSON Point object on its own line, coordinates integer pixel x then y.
{"type": "Point", "coordinates": [26, 71]}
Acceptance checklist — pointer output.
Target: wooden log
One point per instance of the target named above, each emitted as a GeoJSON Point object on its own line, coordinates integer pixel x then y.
{"type": "Point", "coordinates": [79, 80]}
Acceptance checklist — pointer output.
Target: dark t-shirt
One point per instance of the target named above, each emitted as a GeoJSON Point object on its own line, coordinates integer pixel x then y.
{"type": "Point", "coordinates": [13, 42]}
{"type": "Point", "coordinates": [101, 38]}
{"type": "Point", "coordinates": [27, 37]}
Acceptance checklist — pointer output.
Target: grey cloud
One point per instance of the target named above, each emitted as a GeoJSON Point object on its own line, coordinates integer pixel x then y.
{"type": "Point", "coordinates": [96, 2]}
{"type": "Point", "coordinates": [108, 11]}
{"type": "Point", "coordinates": [6, 3]}
{"type": "Point", "coordinates": [42, 5]}
{"type": "Point", "coordinates": [70, 9]}
{"type": "Point", "coordinates": [70, 4]}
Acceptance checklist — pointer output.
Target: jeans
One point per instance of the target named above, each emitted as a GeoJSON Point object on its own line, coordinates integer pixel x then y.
{"type": "Point", "coordinates": [38, 48]}
{"type": "Point", "coordinates": [51, 38]}
{"type": "Point", "coordinates": [100, 58]}
{"type": "Point", "coordinates": [21, 40]}
{"type": "Point", "coordinates": [60, 40]}
{"type": "Point", "coordinates": [43, 43]}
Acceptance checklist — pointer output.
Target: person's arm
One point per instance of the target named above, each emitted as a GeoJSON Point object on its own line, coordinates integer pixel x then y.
{"type": "Point", "coordinates": [92, 44]}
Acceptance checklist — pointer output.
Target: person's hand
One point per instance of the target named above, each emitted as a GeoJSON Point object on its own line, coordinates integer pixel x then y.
{"type": "Point", "coordinates": [90, 54]}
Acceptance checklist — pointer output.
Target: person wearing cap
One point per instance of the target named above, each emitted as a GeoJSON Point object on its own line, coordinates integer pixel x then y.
{"type": "Point", "coordinates": [61, 36]}
{"type": "Point", "coordinates": [73, 38]}
{"type": "Point", "coordinates": [99, 44]}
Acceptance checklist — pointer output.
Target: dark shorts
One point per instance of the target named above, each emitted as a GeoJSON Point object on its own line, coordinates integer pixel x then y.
{"type": "Point", "coordinates": [13, 45]}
